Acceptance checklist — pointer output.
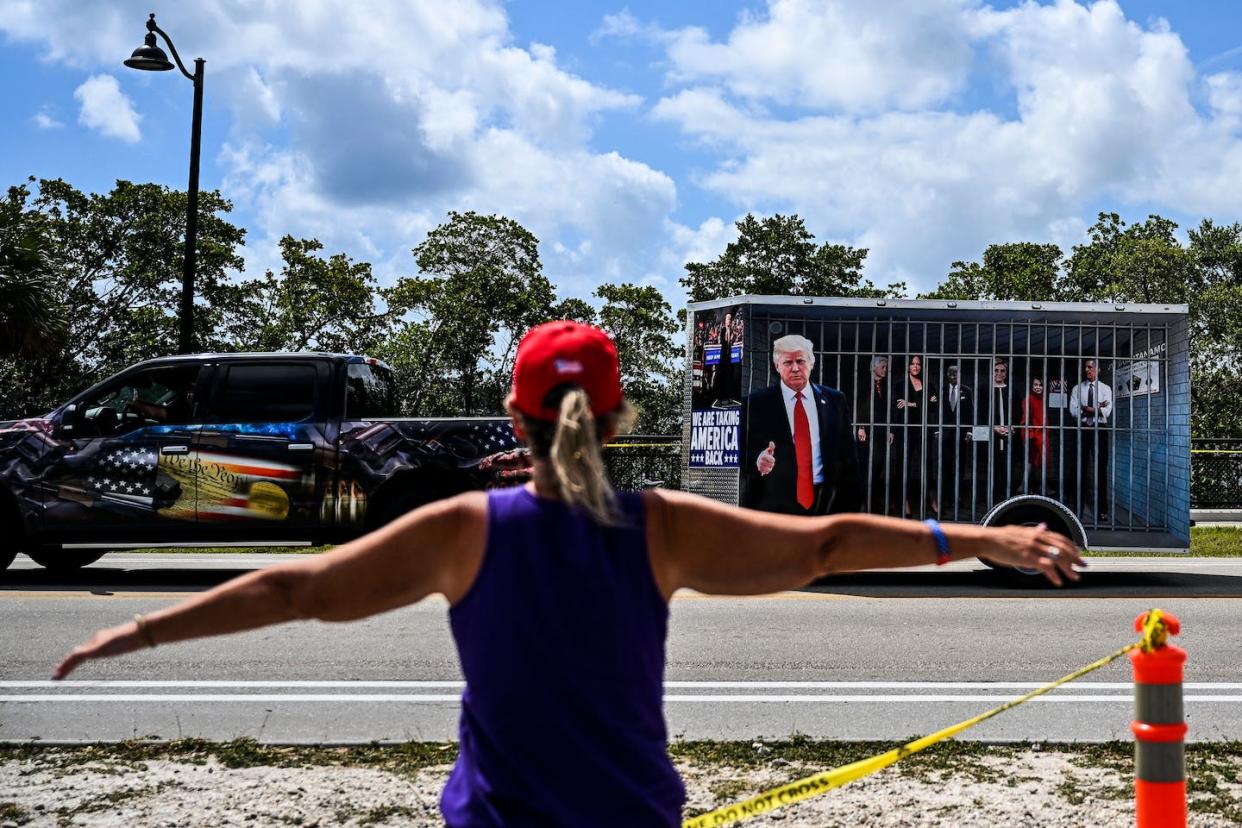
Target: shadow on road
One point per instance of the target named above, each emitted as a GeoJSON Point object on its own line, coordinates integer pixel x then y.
{"type": "Point", "coordinates": [102, 579]}
{"type": "Point", "coordinates": [991, 584]}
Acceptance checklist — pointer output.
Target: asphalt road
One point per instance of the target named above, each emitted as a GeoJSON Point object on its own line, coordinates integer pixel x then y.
{"type": "Point", "coordinates": [883, 655]}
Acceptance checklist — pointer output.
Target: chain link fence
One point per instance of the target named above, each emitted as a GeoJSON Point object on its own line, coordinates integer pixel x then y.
{"type": "Point", "coordinates": [641, 461]}
{"type": "Point", "coordinates": [1216, 473]}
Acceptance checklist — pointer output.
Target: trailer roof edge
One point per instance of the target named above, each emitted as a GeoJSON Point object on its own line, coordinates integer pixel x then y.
{"type": "Point", "coordinates": [940, 304]}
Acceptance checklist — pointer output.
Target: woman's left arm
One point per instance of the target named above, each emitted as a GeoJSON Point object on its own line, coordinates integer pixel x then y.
{"type": "Point", "coordinates": [436, 548]}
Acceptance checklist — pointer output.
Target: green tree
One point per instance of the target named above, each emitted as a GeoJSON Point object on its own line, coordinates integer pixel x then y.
{"type": "Point", "coordinates": [115, 270]}
{"type": "Point", "coordinates": [1143, 262]}
{"type": "Point", "coordinates": [460, 322]}
{"type": "Point", "coordinates": [575, 309]}
{"type": "Point", "coordinates": [32, 323]}
{"type": "Point", "coordinates": [315, 303]}
{"type": "Point", "coordinates": [1022, 271]}
{"type": "Point", "coordinates": [778, 256]}
{"type": "Point", "coordinates": [1215, 382]}
{"type": "Point", "coordinates": [644, 329]}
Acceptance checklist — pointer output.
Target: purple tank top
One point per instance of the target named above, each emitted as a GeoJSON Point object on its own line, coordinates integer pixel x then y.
{"type": "Point", "coordinates": [561, 638]}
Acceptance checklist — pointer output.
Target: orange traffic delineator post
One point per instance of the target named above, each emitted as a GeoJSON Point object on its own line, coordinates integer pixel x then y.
{"type": "Point", "coordinates": [1159, 724]}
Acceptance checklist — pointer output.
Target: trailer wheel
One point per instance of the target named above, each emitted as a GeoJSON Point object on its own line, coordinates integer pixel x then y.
{"type": "Point", "coordinates": [1032, 510]}
{"type": "Point", "coordinates": [64, 561]}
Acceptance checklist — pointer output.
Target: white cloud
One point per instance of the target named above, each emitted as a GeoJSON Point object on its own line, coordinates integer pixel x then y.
{"type": "Point", "coordinates": [1103, 113]}
{"type": "Point", "coordinates": [44, 119]}
{"type": "Point", "coordinates": [106, 108]}
{"type": "Point", "coordinates": [621, 24]}
{"type": "Point", "coordinates": [921, 129]}
{"type": "Point", "coordinates": [849, 54]}
{"type": "Point", "coordinates": [364, 125]}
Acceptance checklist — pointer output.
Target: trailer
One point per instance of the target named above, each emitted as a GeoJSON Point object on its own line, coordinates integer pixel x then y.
{"type": "Point", "coordinates": [1073, 414]}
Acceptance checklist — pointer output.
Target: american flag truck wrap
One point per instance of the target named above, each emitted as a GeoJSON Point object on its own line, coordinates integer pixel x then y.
{"type": "Point", "coordinates": [233, 450]}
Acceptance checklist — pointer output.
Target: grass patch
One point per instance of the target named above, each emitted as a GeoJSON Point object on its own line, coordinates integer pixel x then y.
{"type": "Point", "coordinates": [404, 759]}
{"type": "Point", "coordinates": [806, 756]}
{"type": "Point", "coordinates": [1213, 771]}
{"type": "Point", "coordinates": [107, 803]}
{"type": "Point", "coordinates": [382, 813]}
{"type": "Point", "coordinates": [233, 550]}
{"type": "Point", "coordinates": [12, 812]}
{"type": "Point", "coordinates": [1216, 541]}
{"type": "Point", "coordinates": [1205, 541]}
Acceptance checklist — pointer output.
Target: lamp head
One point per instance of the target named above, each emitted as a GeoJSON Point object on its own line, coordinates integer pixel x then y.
{"type": "Point", "coordinates": [149, 57]}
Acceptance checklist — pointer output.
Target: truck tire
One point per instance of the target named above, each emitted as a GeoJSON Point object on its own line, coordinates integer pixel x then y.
{"type": "Point", "coordinates": [1032, 510]}
{"type": "Point", "coordinates": [64, 561]}
{"type": "Point", "coordinates": [11, 535]}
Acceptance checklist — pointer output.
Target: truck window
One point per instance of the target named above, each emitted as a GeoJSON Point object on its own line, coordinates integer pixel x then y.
{"type": "Point", "coordinates": [368, 392]}
{"type": "Point", "coordinates": [272, 392]}
{"type": "Point", "coordinates": [155, 396]}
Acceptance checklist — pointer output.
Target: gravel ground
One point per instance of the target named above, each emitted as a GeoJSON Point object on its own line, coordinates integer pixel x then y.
{"type": "Point", "coordinates": [1019, 788]}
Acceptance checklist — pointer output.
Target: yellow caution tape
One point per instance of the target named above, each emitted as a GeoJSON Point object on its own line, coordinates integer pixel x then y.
{"type": "Point", "coordinates": [1216, 451]}
{"type": "Point", "coordinates": [1153, 636]}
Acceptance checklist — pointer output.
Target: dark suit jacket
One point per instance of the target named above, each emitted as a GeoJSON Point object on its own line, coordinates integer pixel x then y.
{"type": "Point", "coordinates": [766, 422]}
{"type": "Point", "coordinates": [942, 413]}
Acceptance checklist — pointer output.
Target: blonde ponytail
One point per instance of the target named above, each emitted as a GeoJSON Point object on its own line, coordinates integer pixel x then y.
{"type": "Point", "coordinates": [578, 462]}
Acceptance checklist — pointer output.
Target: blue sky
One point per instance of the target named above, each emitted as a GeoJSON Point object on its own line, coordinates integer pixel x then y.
{"type": "Point", "coordinates": [629, 137]}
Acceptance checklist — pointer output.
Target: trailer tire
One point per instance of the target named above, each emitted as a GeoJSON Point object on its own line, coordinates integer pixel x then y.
{"type": "Point", "coordinates": [1032, 510]}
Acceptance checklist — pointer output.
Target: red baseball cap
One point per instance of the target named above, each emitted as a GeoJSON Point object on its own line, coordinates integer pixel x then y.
{"type": "Point", "coordinates": [556, 353]}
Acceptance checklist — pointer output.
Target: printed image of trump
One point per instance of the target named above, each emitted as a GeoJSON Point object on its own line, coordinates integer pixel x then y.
{"type": "Point", "coordinates": [798, 452]}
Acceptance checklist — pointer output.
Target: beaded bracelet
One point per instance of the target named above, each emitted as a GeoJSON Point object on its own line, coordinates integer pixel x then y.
{"type": "Point", "coordinates": [942, 542]}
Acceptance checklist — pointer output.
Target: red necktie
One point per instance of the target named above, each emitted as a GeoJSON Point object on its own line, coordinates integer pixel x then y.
{"type": "Point", "coordinates": [802, 450]}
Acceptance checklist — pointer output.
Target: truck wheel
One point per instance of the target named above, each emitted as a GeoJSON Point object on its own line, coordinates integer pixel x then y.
{"type": "Point", "coordinates": [65, 560]}
{"type": "Point", "coordinates": [1032, 510]}
{"type": "Point", "coordinates": [11, 535]}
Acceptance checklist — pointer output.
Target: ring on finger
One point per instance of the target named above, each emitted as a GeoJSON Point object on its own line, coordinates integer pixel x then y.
{"type": "Point", "coordinates": [1053, 552]}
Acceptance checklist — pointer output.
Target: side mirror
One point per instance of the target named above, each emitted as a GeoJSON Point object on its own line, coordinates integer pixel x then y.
{"type": "Point", "coordinates": [68, 419]}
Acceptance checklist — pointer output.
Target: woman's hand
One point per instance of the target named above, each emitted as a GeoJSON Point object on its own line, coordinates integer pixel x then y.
{"type": "Point", "coordinates": [862, 435]}
{"type": "Point", "coordinates": [1035, 547]}
{"type": "Point", "coordinates": [113, 641]}
{"type": "Point", "coordinates": [901, 403]}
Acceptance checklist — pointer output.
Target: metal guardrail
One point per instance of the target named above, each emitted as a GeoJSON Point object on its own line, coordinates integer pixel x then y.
{"type": "Point", "coordinates": [641, 461]}
{"type": "Point", "coordinates": [1216, 473]}
{"type": "Point", "coordinates": [637, 461]}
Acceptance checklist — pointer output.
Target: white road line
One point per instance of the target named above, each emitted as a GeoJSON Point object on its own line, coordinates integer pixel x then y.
{"type": "Point", "coordinates": [679, 685]}
{"type": "Point", "coordinates": [270, 698]}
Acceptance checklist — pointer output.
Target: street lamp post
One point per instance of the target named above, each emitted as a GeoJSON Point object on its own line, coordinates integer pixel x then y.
{"type": "Point", "coordinates": [151, 58]}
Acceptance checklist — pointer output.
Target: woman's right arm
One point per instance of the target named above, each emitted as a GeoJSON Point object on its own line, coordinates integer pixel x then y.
{"type": "Point", "coordinates": [707, 546]}
{"type": "Point", "coordinates": [434, 549]}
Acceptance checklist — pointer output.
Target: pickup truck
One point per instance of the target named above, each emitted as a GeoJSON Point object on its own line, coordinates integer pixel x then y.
{"type": "Point", "coordinates": [281, 449]}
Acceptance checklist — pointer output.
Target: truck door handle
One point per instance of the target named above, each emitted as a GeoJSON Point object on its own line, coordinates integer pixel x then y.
{"type": "Point", "coordinates": [174, 449]}
{"type": "Point", "coordinates": [301, 447]}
